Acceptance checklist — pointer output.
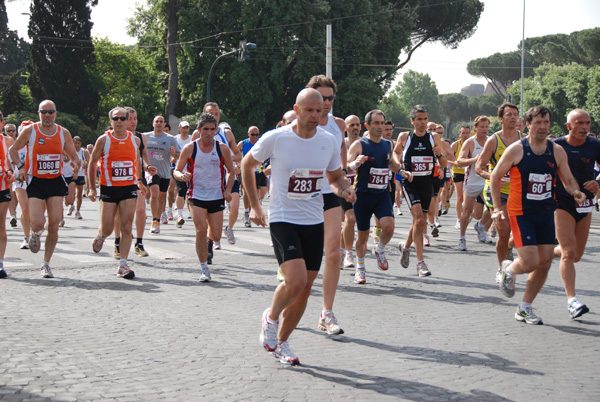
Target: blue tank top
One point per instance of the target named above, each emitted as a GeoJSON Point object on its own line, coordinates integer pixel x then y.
{"type": "Point", "coordinates": [581, 162]}
{"type": "Point", "coordinates": [532, 181]}
{"type": "Point", "coordinates": [373, 175]}
{"type": "Point", "coordinates": [246, 146]}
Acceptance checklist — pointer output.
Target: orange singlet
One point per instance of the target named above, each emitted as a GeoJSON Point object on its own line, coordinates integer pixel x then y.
{"type": "Point", "coordinates": [4, 165]}
{"type": "Point", "coordinates": [118, 163]}
{"type": "Point", "coordinates": [45, 153]}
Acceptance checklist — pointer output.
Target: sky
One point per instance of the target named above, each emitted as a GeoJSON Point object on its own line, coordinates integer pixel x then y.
{"type": "Point", "coordinates": [500, 29]}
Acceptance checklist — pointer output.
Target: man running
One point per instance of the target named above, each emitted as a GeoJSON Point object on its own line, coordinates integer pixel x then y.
{"type": "Point", "coordinates": [301, 155]}
{"type": "Point", "coordinates": [353, 128]}
{"type": "Point", "coordinates": [458, 173]}
{"type": "Point", "coordinates": [183, 138]}
{"type": "Point", "coordinates": [47, 187]}
{"type": "Point", "coordinates": [261, 179]}
{"type": "Point", "coordinates": [6, 179]}
{"type": "Point", "coordinates": [120, 180]}
{"type": "Point", "coordinates": [205, 159]}
{"type": "Point", "coordinates": [573, 219]}
{"type": "Point", "coordinates": [533, 163]}
{"type": "Point", "coordinates": [417, 152]}
{"type": "Point", "coordinates": [371, 159]}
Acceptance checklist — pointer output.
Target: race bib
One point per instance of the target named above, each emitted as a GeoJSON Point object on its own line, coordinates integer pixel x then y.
{"type": "Point", "coordinates": [122, 171]}
{"type": "Point", "coordinates": [351, 177]}
{"type": "Point", "coordinates": [539, 187]}
{"type": "Point", "coordinates": [305, 184]}
{"type": "Point", "coordinates": [48, 163]}
{"type": "Point", "coordinates": [421, 165]}
{"type": "Point", "coordinates": [585, 207]}
{"type": "Point", "coordinates": [378, 178]}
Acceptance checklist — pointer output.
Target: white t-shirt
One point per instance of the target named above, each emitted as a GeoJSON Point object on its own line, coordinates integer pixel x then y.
{"type": "Point", "coordinates": [298, 168]}
{"type": "Point", "coordinates": [332, 128]}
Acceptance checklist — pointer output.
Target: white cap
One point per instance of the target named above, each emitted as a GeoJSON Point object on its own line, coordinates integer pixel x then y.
{"type": "Point", "coordinates": [184, 123]}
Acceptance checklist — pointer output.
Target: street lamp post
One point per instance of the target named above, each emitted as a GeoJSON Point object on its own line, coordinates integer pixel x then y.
{"type": "Point", "coordinates": [523, 59]}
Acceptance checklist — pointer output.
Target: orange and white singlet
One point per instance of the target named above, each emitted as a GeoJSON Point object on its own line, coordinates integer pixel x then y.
{"type": "Point", "coordinates": [118, 162]}
{"type": "Point", "coordinates": [45, 153]}
{"type": "Point", "coordinates": [4, 165]}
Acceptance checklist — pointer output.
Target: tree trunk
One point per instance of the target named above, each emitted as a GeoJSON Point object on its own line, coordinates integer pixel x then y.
{"type": "Point", "coordinates": [172, 28]}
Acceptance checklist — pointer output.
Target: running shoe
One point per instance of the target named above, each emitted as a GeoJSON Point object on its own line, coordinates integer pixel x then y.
{"type": "Point", "coordinates": [376, 234]}
{"type": "Point", "coordinates": [179, 222]}
{"type": "Point", "coordinates": [349, 260]}
{"type": "Point", "coordinates": [25, 244]}
{"type": "Point", "coordinates": [98, 243]}
{"type": "Point", "coordinates": [444, 211]}
{"type": "Point", "coordinates": [422, 269]}
{"type": "Point", "coordinates": [247, 222]}
{"type": "Point", "coordinates": [399, 211]}
{"type": "Point", "coordinates": [45, 271]}
{"type": "Point", "coordinates": [382, 262]}
{"type": "Point", "coordinates": [493, 232]}
{"type": "Point", "coordinates": [507, 284]}
{"type": "Point", "coordinates": [435, 232]}
{"type": "Point", "coordinates": [436, 222]}
{"type": "Point", "coordinates": [481, 233]}
{"type": "Point", "coordinates": [268, 332]}
{"type": "Point", "coordinates": [124, 271]}
{"type": "Point", "coordinates": [360, 277]}
{"type": "Point", "coordinates": [34, 242]}
{"type": "Point", "coordinates": [164, 218]}
{"type": "Point", "coordinates": [499, 274]}
{"type": "Point", "coordinates": [457, 225]}
{"type": "Point", "coordinates": [285, 354]}
{"type": "Point", "coordinates": [280, 277]}
{"type": "Point", "coordinates": [13, 222]}
{"type": "Point", "coordinates": [70, 210]}
{"type": "Point", "coordinates": [170, 215]}
{"type": "Point", "coordinates": [78, 215]}
{"type": "Point", "coordinates": [577, 309]}
{"type": "Point", "coordinates": [209, 251]}
{"type": "Point", "coordinates": [139, 249]}
{"type": "Point", "coordinates": [2, 272]}
{"type": "Point", "coordinates": [61, 224]}
{"type": "Point", "coordinates": [509, 254]}
{"type": "Point", "coordinates": [217, 245]}
{"type": "Point", "coordinates": [205, 275]}
{"type": "Point", "coordinates": [527, 315]}
{"type": "Point", "coordinates": [486, 238]}
{"type": "Point", "coordinates": [155, 228]}
{"type": "Point", "coordinates": [426, 240]}
{"type": "Point", "coordinates": [329, 323]}
{"type": "Point", "coordinates": [117, 251]}
{"type": "Point", "coordinates": [405, 255]}
{"type": "Point", "coordinates": [447, 205]}
{"type": "Point", "coordinates": [229, 234]}
{"type": "Point", "coordinates": [462, 244]}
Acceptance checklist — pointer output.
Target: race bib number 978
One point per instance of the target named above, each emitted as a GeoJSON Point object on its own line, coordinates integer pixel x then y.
{"type": "Point", "coordinates": [122, 171]}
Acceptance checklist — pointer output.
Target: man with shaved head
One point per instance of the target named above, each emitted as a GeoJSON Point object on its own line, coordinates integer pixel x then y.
{"type": "Point", "coordinates": [301, 154]}
{"type": "Point", "coordinates": [46, 141]}
{"type": "Point", "coordinates": [572, 219]}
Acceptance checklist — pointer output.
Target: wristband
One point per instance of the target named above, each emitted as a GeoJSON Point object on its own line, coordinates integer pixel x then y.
{"type": "Point", "coordinates": [20, 166]}
{"type": "Point", "coordinates": [352, 165]}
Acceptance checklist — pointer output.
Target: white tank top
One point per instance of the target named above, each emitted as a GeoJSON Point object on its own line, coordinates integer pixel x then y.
{"type": "Point", "coordinates": [470, 176]}
{"type": "Point", "coordinates": [332, 128]}
{"type": "Point", "coordinates": [207, 181]}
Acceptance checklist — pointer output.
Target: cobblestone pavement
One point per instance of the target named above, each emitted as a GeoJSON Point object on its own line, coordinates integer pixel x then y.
{"type": "Point", "coordinates": [87, 335]}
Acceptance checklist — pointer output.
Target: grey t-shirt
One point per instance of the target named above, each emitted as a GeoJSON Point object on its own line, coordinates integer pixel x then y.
{"type": "Point", "coordinates": [158, 151]}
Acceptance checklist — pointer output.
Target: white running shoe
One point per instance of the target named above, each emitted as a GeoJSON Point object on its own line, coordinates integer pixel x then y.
{"type": "Point", "coordinates": [124, 271]}
{"type": "Point", "coordinates": [462, 244]}
{"type": "Point", "coordinates": [170, 215]}
{"type": "Point", "coordinates": [329, 323]}
{"type": "Point", "coordinates": [229, 234]}
{"type": "Point", "coordinates": [164, 218]}
{"type": "Point", "coordinates": [285, 354]}
{"type": "Point", "coordinates": [25, 244]}
{"type": "Point", "coordinates": [205, 275]}
{"type": "Point", "coordinates": [268, 332]}
{"type": "Point", "coordinates": [78, 215]}
{"type": "Point", "coordinates": [217, 245]}
{"type": "Point", "coordinates": [70, 210]}
{"type": "Point", "coordinates": [349, 260]}
{"type": "Point", "coordinates": [45, 271]}
{"type": "Point", "coordinates": [426, 240]}
{"type": "Point", "coordinates": [179, 223]}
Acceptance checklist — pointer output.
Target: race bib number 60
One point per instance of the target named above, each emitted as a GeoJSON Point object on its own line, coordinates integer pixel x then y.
{"type": "Point", "coordinates": [539, 187]}
{"type": "Point", "coordinates": [305, 184]}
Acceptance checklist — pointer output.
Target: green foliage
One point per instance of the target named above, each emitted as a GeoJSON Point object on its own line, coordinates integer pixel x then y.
{"type": "Point", "coordinates": [17, 117]}
{"type": "Point", "coordinates": [562, 89]}
{"type": "Point", "coordinates": [61, 53]}
{"type": "Point", "coordinates": [126, 78]}
{"type": "Point", "coordinates": [13, 98]}
{"type": "Point", "coordinates": [14, 52]}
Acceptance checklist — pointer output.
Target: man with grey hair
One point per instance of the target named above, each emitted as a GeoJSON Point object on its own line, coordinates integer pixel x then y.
{"type": "Point", "coordinates": [47, 141]}
{"type": "Point", "coordinates": [573, 219]}
{"type": "Point", "coordinates": [117, 152]}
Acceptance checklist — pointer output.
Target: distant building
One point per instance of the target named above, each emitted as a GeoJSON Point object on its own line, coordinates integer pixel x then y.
{"type": "Point", "coordinates": [473, 90]}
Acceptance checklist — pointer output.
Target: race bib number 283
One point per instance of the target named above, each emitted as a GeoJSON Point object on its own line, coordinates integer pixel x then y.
{"type": "Point", "coordinates": [305, 184]}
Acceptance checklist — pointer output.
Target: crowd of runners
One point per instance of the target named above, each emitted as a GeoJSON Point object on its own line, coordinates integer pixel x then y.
{"type": "Point", "coordinates": [321, 173]}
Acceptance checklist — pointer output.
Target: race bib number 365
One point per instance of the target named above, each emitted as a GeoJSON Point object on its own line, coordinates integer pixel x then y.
{"type": "Point", "coordinates": [305, 184]}
{"type": "Point", "coordinates": [421, 165]}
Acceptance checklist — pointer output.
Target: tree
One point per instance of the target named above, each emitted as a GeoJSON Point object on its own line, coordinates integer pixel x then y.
{"type": "Point", "coordinates": [454, 107]}
{"type": "Point", "coordinates": [368, 38]}
{"type": "Point", "coordinates": [12, 98]}
{"type": "Point", "coordinates": [14, 51]}
{"type": "Point", "coordinates": [61, 52]}
{"type": "Point", "coordinates": [173, 7]}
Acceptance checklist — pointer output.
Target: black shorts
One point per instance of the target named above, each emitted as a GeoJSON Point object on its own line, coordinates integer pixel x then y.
{"type": "Point", "coordinates": [46, 188]}
{"type": "Point", "coordinates": [182, 188]}
{"type": "Point", "coordinates": [163, 184]}
{"type": "Point", "coordinates": [69, 180]}
{"type": "Point", "coordinates": [346, 206]}
{"type": "Point", "coordinates": [436, 184]}
{"type": "Point", "coordinates": [369, 204]}
{"type": "Point", "coordinates": [330, 201]}
{"type": "Point", "coordinates": [5, 196]}
{"type": "Point", "coordinates": [212, 207]}
{"type": "Point", "coordinates": [236, 187]}
{"type": "Point", "coordinates": [533, 229]}
{"type": "Point", "coordinates": [261, 180]}
{"type": "Point", "coordinates": [117, 194]}
{"type": "Point", "coordinates": [292, 241]}
{"type": "Point", "coordinates": [567, 203]}
{"type": "Point", "coordinates": [80, 181]}
{"type": "Point", "coordinates": [458, 177]}
{"type": "Point", "coordinates": [417, 193]}
{"type": "Point", "coordinates": [393, 191]}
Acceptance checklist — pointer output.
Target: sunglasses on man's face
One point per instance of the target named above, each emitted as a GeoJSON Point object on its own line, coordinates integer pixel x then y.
{"type": "Point", "coordinates": [329, 98]}
{"type": "Point", "coordinates": [11, 131]}
{"type": "Point", "coordinates": [254, 135]}
{"type": "Point", "coordinates": [122, 118]}
{"type": "Point", "coordinates": [52, 111]}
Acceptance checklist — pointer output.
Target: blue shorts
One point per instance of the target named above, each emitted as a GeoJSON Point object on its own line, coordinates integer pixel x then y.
{"type": "Point", "coordinates": [533, 229]}
{"type": "Point", "coordinates": [369, 204]}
